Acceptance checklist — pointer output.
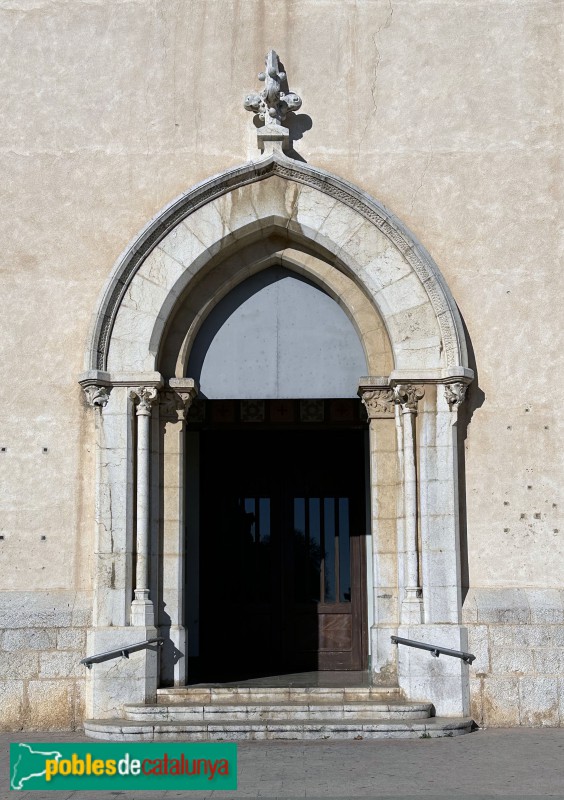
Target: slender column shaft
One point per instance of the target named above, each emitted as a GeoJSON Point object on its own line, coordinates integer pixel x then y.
{"type": "Point", "coordinates": [412, 608]}
{"type": "Point", "coordinates": [410, 494]}
{"type": "Point", "coordinates": [143, 456]}
{"type": "Point", "coordinates": [142, 609]}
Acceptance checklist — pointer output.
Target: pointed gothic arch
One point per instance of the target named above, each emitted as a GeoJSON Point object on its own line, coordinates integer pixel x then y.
{"type": "Point", "coordinates": [347, 228]}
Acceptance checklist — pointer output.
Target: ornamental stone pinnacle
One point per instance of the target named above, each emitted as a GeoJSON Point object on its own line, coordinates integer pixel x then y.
{"type": "Point", "coordinates": [273, 103]}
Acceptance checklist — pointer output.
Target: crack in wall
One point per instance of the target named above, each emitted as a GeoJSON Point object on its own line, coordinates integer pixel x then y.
{"type": "Point", "coordinates": [421, 179]}
{"type": "Point", "coordinates": [374, 82]}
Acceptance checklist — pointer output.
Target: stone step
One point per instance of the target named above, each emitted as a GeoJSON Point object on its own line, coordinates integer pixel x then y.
{"type": "Point", "coordinates": [315, 709]}
{"type": "Point", "coordinates": [210, 694]}
{"type": "Point", "coordinates": [237, 730]}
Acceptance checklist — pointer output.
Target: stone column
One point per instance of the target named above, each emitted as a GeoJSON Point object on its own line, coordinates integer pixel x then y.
{"type": "Point", "coordinates": [378, 399]}
{"type": "Point", "coordinates": [174, 404]}
{"type": "Point", "coordinates": [407, 397]}
{"type": "Point", "coordinates": [142, 609]}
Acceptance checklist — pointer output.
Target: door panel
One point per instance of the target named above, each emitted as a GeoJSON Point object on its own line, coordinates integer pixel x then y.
{"type": "Point", "coordinates": [282, 550]}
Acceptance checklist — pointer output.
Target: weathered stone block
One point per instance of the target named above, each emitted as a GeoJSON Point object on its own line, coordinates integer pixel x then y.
{"type": "Point", "coordinates": [500, 702]}
{"type": "Point", "coordinates": [538, 635]}
{"type": "Point", "coordinates": [539, 701]}
{"type": "Point", "coordinates": [505, 660]}
{"type": "Point", "coordinates": [19, 665]}
{"type": "Point", "coordinates": [49, 609]}
{"type": "Point", "coordinates": [71, 639]}
{"type": "Point", "coordinates": [478, 645]}
{"type": "Point", "coordinates": [546, 606]}
{"type": "Point", "coordinates": [28, 639]}
{"type": "Point", "coordinates": [549, 661]}
{"type": "Point", "coordinates": [60, 665]}
{"type": "Point", "coordinates": [50, 705]}
{"type": "Point", "coordinates": [11, 705]}
{"type": "Point", "coordinates": [502, 605]}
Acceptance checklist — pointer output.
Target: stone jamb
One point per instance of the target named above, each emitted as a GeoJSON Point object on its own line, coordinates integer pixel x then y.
{"type": "Point", "coordinates": [174, 403]}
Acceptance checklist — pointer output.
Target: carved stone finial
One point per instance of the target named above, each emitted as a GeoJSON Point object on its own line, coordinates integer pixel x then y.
{"type": "Point", "coordinates": [272, 104]}
{"type": "Point", "coordinates": [97, 396]}
{"type": "Point", "coordinates": [408, 396]}
{"type": "Point", "coordinates": [379, 403]}
{"type": "Point", "coordinates": [144, 396]}
{"type": "Point", "coordinates": [455, 394]}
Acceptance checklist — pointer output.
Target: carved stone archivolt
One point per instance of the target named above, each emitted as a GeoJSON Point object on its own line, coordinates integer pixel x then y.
{"type": "Point", "coordinates": [379, 403]}
{"type": "Point", "coordinates": [455, 394]}
{"type": "Point", "coordinates": [408, 395]}
{"type": "Point", "coordinates": [317, 179]}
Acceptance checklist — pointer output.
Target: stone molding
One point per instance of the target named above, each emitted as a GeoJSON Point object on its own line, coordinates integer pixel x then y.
{"type": "Point", "coordinates": [275, 164]}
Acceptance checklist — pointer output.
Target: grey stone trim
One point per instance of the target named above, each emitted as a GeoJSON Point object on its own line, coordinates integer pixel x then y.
{"type": "Point", "coordinates": [443, 304]}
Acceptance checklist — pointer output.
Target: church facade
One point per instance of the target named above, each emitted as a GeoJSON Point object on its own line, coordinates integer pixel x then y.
{"type": "Point", "coordinates": [307, 408]}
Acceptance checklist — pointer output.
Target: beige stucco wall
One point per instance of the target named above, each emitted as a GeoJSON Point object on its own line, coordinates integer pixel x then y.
{"type": "Point", "coordinates": [450, 113]}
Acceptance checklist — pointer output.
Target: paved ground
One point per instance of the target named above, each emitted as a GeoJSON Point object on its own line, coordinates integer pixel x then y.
{"type": "Point", "coordinates": [519, 763]}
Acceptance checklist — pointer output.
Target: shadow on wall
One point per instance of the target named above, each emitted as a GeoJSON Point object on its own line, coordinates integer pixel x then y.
{"type": "Point", "coordinates": [475, 399]}
{"type": "Point", "coordinates": [297, 125]}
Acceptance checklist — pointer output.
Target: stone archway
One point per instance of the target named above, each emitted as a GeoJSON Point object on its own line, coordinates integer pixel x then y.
{"type": "Point", "coordinates": [186, 260]}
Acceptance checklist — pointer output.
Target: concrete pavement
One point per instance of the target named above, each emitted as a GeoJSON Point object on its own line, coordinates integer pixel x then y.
{"type": "Point", "coordinates": [517, 763]}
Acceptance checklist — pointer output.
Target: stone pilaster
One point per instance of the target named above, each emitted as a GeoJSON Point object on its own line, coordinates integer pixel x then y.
{"type": "Point", "coordinates": [174, 403]}
{"type": "Point", "coordinates": [378, 399]}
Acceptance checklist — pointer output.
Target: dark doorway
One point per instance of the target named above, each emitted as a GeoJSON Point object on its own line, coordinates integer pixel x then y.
{"type": "Point", "coordinates": [282, 552]}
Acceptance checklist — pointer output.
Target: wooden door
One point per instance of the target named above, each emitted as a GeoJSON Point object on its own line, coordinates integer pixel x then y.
{"type": "Point", "coordinates": [282, 550]}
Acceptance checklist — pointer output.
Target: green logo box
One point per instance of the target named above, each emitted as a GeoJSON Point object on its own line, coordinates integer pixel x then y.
{"type": "Point", "coordinates": [123, 765]}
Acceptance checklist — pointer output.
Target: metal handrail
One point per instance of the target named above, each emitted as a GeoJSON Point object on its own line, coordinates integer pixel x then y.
{"type": "Point", "coordinates": [120, 651]}
{"type": "Point", "coordinates": [435, 650]}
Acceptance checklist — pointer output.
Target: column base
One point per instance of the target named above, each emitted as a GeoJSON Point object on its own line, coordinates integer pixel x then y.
{"type": "Point", "coordinates": [412, 607]}
{"type": "Point", "coordinates": [142, 610]}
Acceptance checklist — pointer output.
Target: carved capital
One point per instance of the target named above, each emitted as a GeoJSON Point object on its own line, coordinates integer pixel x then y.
{"type": "Point", "coordinates": [407, 396]}
{"type": "Point", "coordinates": [97, 396]}
{"type": "Point", "coordinates": [144, 397]}
{"type": "Point", "coordinates": [379, 403]}
{"type": "Point", "coordinates": [174, 403]}
{"type": "Point", "coordinates": [455, 394]}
